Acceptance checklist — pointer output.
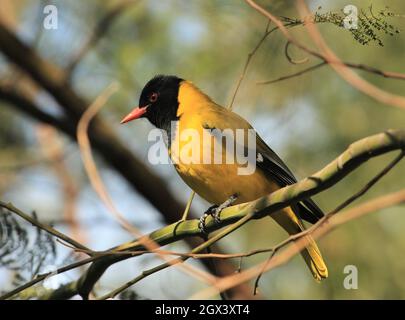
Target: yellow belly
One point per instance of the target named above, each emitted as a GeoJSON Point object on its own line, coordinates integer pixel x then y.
{"type": "Point", "coordinates": [216, 183]}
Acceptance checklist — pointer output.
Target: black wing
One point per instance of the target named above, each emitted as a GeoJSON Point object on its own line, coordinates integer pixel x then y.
{"type": "Point", "coordinates": [273, 166]}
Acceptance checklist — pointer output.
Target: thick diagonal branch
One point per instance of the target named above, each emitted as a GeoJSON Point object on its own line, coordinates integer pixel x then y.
{"type": "Point", "coordinates": [356, 154]}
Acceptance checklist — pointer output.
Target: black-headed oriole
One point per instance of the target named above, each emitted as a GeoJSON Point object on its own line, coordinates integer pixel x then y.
{"type": "Point", "coordinates": [168, 98]}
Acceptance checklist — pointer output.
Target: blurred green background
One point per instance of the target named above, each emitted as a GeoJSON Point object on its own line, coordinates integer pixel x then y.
{"type": "Point", "coordinates": [308, 120]}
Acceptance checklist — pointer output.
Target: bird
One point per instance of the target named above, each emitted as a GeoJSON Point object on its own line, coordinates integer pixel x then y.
{"type": "Point", "coordinates": [168, 99]}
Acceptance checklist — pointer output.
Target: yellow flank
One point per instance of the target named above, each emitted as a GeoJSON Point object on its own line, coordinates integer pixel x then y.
{"type": "Point", "coordinates": [217, 182]}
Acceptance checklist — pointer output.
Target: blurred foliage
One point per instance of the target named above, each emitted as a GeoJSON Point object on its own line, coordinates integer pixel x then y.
{"type": "Point", "coordinates": [308, 120]}
{"type": "Point", "coordinates": [367, 26]}
{"type": "Point", "coordinates": [21, 251]}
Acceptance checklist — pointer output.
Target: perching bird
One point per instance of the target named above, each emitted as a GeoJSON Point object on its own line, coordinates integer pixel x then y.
{"type": "Point", "coordinates": [168, 98]}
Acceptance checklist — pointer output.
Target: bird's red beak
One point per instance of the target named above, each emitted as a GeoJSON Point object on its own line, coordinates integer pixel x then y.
{"type": "Point", "coordinates": [135, 114]}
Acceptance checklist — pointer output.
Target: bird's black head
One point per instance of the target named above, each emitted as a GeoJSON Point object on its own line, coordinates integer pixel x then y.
{"type": "Point", "coordinates": [158, 102]}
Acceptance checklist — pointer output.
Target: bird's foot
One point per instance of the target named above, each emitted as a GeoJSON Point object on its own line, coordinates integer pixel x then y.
{"type": "Point", "coordinates": [215, 211]}
{"type": "Point", "coordinates": [209, 212]}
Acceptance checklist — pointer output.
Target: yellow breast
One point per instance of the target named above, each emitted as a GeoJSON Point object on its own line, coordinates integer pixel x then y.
{"type": "Point", "coordinates": [190, 152]}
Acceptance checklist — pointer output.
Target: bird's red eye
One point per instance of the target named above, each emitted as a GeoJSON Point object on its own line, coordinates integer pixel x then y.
{"type": "Point", "coordinates": [153, 97]}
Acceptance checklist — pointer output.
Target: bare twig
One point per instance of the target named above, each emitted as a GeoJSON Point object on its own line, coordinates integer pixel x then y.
{"type": "Point", "coordinates": [188, 206]}
{"type": "Point", "coordinates": [291, 60]}
{"type": "Point", "coordinates": [345, 72]}
{"type": "Point", "coordinates": [88, 161]}
{"type": "Point", "coordinates": [176, 253]}
{"type": "Point", "coordinates": [53, 149]}
{"type": "Point", "coordinates": [201, 247]}
{"type": "Point", "coordinates": [359, 66]}
{"type": "Point", "coordinates": [366, 68]}
{"type": "Point", "coordinates": [42, 277]}
{"type": "Point", "coordinates": [248, 60]}
{"type": "Point", "coordinates": [296, 74]}
{"type": "Point", "coordinates": [46, 228]}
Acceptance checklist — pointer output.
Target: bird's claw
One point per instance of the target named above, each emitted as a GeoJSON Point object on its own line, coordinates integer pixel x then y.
{"type": "Point", "coordinates": [201, 223]}
{"type": "Point", "coordinates": [215, 214]}
{"type": "Point", "coordinates": [210, 212]}
{"type": "Point", "coordinates": [214, 211]}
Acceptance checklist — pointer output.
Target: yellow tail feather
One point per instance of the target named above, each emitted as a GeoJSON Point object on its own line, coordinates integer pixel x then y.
{"type": "Point", "coordinates": [311, 254]}
{"type": "Point", "coordinates": [314, 260]}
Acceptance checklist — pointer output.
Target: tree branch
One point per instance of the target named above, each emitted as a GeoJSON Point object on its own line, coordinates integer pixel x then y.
{"type": "Point", "coordinates": [359, 66]}
{"type": "Point", "coordinates": [293, 75]}
{"type": "Point", "coordinates": [356, 154]}
{"type": "Point", "coordinates": [26, 105]}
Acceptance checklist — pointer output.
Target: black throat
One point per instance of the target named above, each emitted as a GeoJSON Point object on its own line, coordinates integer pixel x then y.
{"type": "Point", "coordinates": [163, 119]}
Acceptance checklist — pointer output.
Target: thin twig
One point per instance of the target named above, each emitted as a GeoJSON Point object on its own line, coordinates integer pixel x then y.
{"type": "Point", "coordinates": [179, 254]}
{"type": "Point", "coordinates": [291, 60]}
{"type": "Point", "coordinates": [88, 160]}
{"type": "Point", "coordinates": [52, 148]}
{"type": "Point", "coordinates": [165, 265]}
{"type": "Point", "coordinates": [296, 74]}
{"type": "Point", "coordinates": [42, 277]}
{"type": "Point", "coordinates": [188, 206]}
{"type": "Point", "coordinates": [364, 67]}
{"type": "Point", "coordinates": [248, 60]}
{"type": "Point", "coordinates": [10, 207]}
{"type": "Point", "coordinates": [359, 66]}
